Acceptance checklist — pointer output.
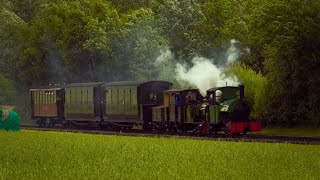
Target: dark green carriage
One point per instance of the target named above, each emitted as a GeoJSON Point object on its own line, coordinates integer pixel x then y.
{"type": "Point", "coordinates": [83, 102]}
{"type": "Point", "coordinates": [129, 102]}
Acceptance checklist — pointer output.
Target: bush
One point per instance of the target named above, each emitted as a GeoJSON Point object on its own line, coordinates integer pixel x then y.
{"type": "Point", "coordinates": [255, 88]}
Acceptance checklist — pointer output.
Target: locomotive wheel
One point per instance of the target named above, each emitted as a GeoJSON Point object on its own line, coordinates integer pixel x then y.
{"type": "Point", "coordinates": [147, 127]}
{"type": "Point", "coordinates": [175, 129]}
{"type": "Point", "coordinates": [246, 130]}
{"type": "Point", "coordinates": [66, 124]}
{"type": "Point", "coordinates": [43, 123]}
{"type": "Point", "coordinates": [39, 122]}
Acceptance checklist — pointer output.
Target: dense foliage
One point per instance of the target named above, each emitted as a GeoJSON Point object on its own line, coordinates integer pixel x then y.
{"type": "Point", "coordinates": [60, 41]}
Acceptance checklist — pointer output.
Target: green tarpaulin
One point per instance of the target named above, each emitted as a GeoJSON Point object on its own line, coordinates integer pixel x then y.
{"type": "Point", "coordinates": [12, 122]}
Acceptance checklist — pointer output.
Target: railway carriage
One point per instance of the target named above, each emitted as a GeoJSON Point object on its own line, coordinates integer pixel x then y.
{"type": "Point", "coordinates": [47, 105]}
{"type": "Point", "coordinates": [175, 112]}
{"type": "Point", "coordinates": [129, 103]}
{"type": "Point", "coordinates": [84, 103]}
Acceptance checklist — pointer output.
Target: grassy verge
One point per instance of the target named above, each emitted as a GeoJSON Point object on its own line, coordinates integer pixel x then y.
{"type": "Point", "coordinates": [291, 131]}
{"type": "Point", "coordinates": [54, 155]}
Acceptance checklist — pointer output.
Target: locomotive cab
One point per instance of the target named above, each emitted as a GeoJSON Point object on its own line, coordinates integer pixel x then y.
{"type": "Point", "coordinates": [228, 109]}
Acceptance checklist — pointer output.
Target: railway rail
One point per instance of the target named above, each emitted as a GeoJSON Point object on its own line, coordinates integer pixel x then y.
{"type": "Point", "coordinates": [214, 137]}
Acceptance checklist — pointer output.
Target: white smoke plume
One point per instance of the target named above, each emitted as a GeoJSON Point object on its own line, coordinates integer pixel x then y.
{"type": "Point", "coordinates": [165, 56]}
{"type": "Point", "coordinates": [233, 52]}
{"type": "Point", "coordinates": [164, 65]}
{"type": "Point", "coordinates": [205, 75]}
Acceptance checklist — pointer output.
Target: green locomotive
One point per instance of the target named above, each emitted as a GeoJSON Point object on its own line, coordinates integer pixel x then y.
{"type": "Point", "coordinates": [222, 109]}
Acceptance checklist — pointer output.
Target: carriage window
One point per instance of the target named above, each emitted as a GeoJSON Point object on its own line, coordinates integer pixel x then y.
{"type": "Point", "coordinates": [87, 97]}
{"type": "Point", "coordinates": [133, 96]}
{"type": "Point", "coordinates": [117, 101]}
{"type": "Point", "coordinates": [130, 97]}
{"type": "Point", "coordinates": [81, 97]}
{"type": "Point", "coordinates": [152, 98]}
{"type": "Point", "coordinates": [111, 97]}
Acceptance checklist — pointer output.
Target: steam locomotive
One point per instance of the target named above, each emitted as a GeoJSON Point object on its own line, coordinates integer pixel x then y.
{"type": "Point", "coordinates": [152, 105]}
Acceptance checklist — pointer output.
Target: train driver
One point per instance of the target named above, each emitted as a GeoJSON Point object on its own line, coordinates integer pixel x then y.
{"type": "Point", "coordinates": [176, 100]}
{"type": "Point", "coordinates": [188, 100]}
{"type": "Point", "coordinates": [219, 97]}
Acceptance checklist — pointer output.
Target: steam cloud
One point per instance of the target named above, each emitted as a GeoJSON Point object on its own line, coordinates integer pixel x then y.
{"type": "Point", "coordinates": [203, 74]}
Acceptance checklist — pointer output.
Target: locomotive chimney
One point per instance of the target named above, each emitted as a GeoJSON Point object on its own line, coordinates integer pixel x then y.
{"type": "Point", "coordinates": [241, 89]}
{"type": "Point", "coordinates": [213, 98]}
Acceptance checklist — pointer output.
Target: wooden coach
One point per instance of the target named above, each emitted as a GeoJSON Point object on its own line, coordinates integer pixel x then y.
{"type": "Point", "coordinates": [47, 105]}
{"type": "Point", "coordinates": [177, 113]}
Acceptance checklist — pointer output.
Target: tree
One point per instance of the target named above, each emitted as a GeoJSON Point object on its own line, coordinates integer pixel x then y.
{"type": "Point", "coordinates": [7, 91]}
{"type": "Point", "coordinates": [255, 88]}
{"type": "Point", "coordinates": [66, 38]}
{"type": "Point", "coordinates": [12, 29]}
{"type": "Point", "coordinates": [126, 6]}
{"type": "Point", "coordinates": [143, 44]}
{"type": "Point", "coordinates": [176, 20]}
{"type": "Point", "coordinates": [288, 32]}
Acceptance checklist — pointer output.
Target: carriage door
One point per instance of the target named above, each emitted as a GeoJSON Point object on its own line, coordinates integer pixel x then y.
{"type": "Point", "coordinates": [97, 102]}
{"type": "Point", "coordinates": [60, 103]}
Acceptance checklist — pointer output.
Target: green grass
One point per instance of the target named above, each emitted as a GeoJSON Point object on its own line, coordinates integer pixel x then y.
{"type": "Point", "coordinates": [291, 131]}
{"type": "Point", "coordinates": [53, 155]}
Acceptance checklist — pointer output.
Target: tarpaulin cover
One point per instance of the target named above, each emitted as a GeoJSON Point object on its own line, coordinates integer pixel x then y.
{"type": "Point", "coordinates": [12, 122]}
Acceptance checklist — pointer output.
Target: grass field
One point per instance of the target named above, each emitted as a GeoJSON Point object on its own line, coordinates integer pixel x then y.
{"type": "Point", "coordinates": [53, 155]}
{"type": "Point", "coordinates": [302, 131]}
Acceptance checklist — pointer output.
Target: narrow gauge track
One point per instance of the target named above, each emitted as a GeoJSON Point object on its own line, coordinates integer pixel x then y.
{"type": "Point", "coordinates": [215, 137]}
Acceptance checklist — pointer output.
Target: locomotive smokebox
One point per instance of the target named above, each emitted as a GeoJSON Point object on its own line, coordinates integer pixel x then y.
{"type": "Point", "coordinates": [241, 89]}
